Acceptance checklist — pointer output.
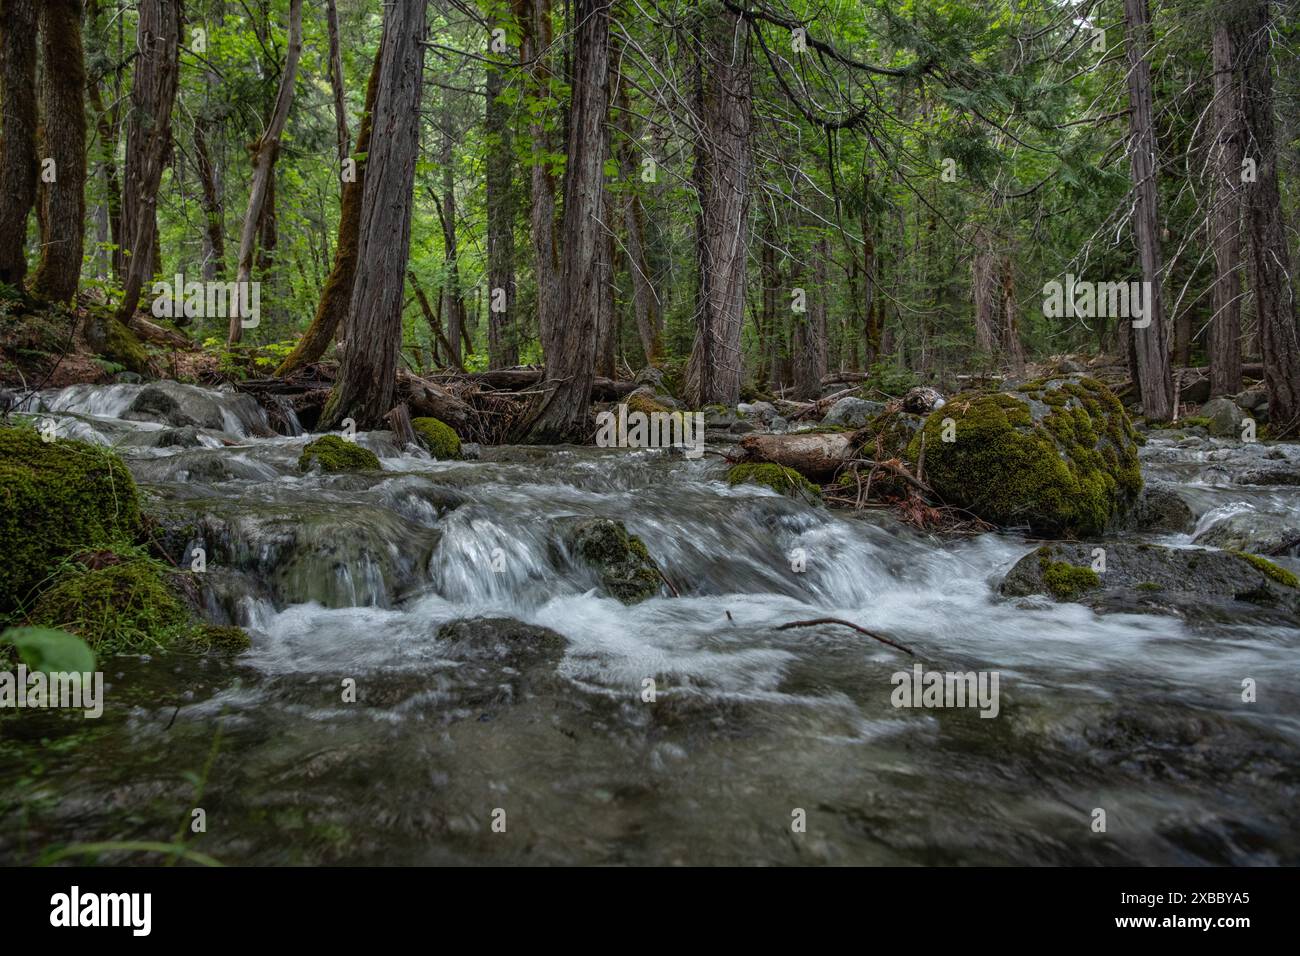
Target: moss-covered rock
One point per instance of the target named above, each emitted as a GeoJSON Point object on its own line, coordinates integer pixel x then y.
{"type": "Point", "coordinates": [1058, 456]}
{"type": "Point", "coordinates": [128, 606]}
{"type": "Point", "coordinates": [221, 638]}
{"type": "Point", "coordinates": [625, 567]}
{"type": "Point", "coordinates": [125, 348]}
{"type": "Point", "coordinates": [1276, 573]}
{"type": "Point", "coordinates": [56, 498]}
{"type": "Point", "coordinates": [439, 438]}
{"type": "Point", "coordinates": [333, 454]}
{"type": "Point", "coordinates": [785, 481]}
{"type": "Point", "coordinates": [643, 400]}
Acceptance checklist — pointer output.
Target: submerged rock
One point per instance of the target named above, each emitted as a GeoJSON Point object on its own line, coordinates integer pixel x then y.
{"type": "Point", "coordinates": [625, 567]}
{"type": "Point", "coordinates": [1058, 456]}
{"type": "Point", "coordinates": [171, 403]}
{"type": "Point", "coordinates": [57, 497]}
{"type": "Point", "coordinates": [504, 640]}
{"type": "Point", "coordinates": [333, 454]}
{"type": "Point", "coordinates": [1253, 532]}
{"type": "Point", "coordinates": [1151, 575]}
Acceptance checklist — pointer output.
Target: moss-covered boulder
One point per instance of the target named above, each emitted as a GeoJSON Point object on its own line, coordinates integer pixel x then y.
{"type": "Point", "coordinates": [1058, 456]}
{"type": "Point", "coordinates": [625, 567]}
{"type": "Point", "coordinates": [332, 454]}
{"type": "Point", "coordinates": [438, 437]}
{"type": "Point", "coordinates": [785, 481]}
{"type": "Point", "coordinates": [1151, 577]}
{"type": "Point", "coordinates": [125, 605]}
{"type": "Point", "coordinates": [125, 348]}
{"type": "Point", "coordinates": [56, 498]}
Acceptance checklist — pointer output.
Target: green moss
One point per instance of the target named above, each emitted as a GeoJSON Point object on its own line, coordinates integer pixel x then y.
{"type": "Point", "coordinates": [647, 406]}
{"type": "Point", "coordinates": [123, 347]}
{"type": "Point", "coordinates": [780, 479]}
{"type": "Point", "coordinates": [1067, 581]}
{"type": "Point", "coordinates": [1150, 586]}
{"type": "Point", "coordinates": [334, 454]}
{"type": "Point", "coordinates": [220, 637]}
{"type": "Point", "coordinates": [124, 607]}
{"type": "Point", "coordinates": [1194, 422]}
{"type": "Point", "coordinates": [1069, 472]}
{"type": "Point", "coordinates": [440, 438]}
{"type": "Point", "coordinates": [622, 560]}
{"type": "Point", "coordinates": [55, 498]}
{"type": "Point", "coordinates": [1280, 575]}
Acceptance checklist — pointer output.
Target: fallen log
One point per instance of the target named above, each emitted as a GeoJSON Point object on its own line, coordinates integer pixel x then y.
{"type": "Point", "coordinates": [427, 399]}
{"type": "Point", "coordinates": [159, 335]}
{"type": "Point", "coordinates": [525, 379]}
{"type": "Point", "coordinates": [816, 455]}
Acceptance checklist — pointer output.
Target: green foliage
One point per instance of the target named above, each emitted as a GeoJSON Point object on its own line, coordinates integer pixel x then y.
{"type": "Point", "coordinates": [50, 650]}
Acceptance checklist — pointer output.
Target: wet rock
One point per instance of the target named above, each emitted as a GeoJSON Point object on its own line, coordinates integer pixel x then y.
{"type": "Point", "coordinates": [1279, 474]}
{"type": "Point", "coordinates": [1253, 532]}
{"type": "Point", "coordinates": [1224, 418]}
{"type": "Point", "coordinates": [1161, 509]}
{"type": "Point", "coordinates": [186, 437]}
{"type": "Point", "coordinates": [720, 416]}
{"type": "Point", "coordinates": [1058, 456]}
{"type": "Point", "coordinates": [922, 400]}
{"type": "Point", "coordinates": [1152, 577]}
{"type": "Point", "coordinates": [503, 640]}
{"type": "Point", "coordinates": [620, 559]}
{"type": "Point", "coordinates": [758, 411]}
{"type": "Point", "coordinates": [852, 412]}
{"type": "Point", "coordinates": [171, 403]}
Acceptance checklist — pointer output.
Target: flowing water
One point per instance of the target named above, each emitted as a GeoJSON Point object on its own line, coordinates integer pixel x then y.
{"type": "Point", "coordinates": [350, 577]}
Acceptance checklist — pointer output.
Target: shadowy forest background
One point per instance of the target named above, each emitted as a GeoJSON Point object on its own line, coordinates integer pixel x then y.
{"type": "Point", "coordinates": [757, 198]}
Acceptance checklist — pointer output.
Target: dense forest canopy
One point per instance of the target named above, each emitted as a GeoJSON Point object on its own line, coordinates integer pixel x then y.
{"type": "Point", "coordinates": [747, 195]}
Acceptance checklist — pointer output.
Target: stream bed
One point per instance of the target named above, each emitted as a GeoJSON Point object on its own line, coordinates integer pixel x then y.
{"type": "Point", "coordinates": [350, 580]}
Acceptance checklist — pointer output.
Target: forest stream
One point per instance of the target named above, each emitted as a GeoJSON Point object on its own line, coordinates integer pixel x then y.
{"type": "Point", "coordinates": [353, 577]}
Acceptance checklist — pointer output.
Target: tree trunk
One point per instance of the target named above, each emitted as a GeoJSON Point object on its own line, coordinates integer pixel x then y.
{"type": "Point", "coordinates": [63, 99]}
{"type": "Point", "coordinates": [810, 333]}
{"type": "Point", "coordinates": [1012, 349]}
{"type": "Point", "coordinates": [503, 340]}
{"type": "Point", "coordinates": [534, 17]}
{"type": "Point", "coordinates": [560, 414]}
{"type": "Point", "coordinates": [264, 152]}
{"type": "Point", "coordinates": [18, 167]}
{"type": "Point", "coordinates": [1270, 258]}
{"type": "Point", "coordinates": [364, 390]}
{"type": "Point", "coordinates": [1225, 218]}
{"type": "Point", "coordinates": [649, 324]}
{"type": "Point", "coordinates": [714, 369]}
{"type": "Point", "coordinates": [453, 300]}
{"type": "Point", "coordinates": [437, 337]}
{"type": "Point", "coordinates": [1152, 342]}
{"type": "Point", "coordinates": [336, 83]}
{"type": "Point", "coordinates": [148, 139]}
{"type": "Point", "coordinates": [336, 296]}
{"type": "Point", "coordinates": [985, 290]}
{"type": "Point", "coordinates": [214, 241]}
{"type": "Point", "coordinates": [607, 316]}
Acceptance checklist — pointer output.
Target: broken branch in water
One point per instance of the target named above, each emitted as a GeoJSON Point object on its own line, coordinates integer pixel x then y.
{"type": "Point", "coordinates": [856, 627]}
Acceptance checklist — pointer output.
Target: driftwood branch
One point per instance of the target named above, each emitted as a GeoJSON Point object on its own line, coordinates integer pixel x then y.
{"type": "Point", "coordinates": [861, 630]}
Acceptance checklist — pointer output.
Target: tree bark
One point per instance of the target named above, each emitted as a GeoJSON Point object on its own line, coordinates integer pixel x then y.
{"type": "Point", "coordinates": [264, 152]}
{"type": "Point", "coordinates": [810, 332]}
{"type": "Point", "coordinates": [364, 390]}
{"type": "Point", "coordinates": [534, 18]}
{"type": "Point", "coordinates": [503, 341]}
{"type": "Point", "coordinates": [1152, 342]}
{"type": "Point", "coordinates": [1270, 257]}
{"type": "Point", "coordinates": [148, 139]}
{"type": "Point", "coordinates": [63, 99]}
{"type": "Point", "coordinates": [337, 294]}
{"type": "Point", "coordinates": [714, 368]}
{"type": "Point", "coordinates": [214, 241]}
{"type": "Point", "coordinates": [645, 304]}
{"type": "Point", "coordinates": [1225, 217]}
{"type": "Point", "coordinates": [18, 167]}
{"type": "Point", "coordinates": [560, 414]}
{"type": "Point", "coordinates": [452, 298]}
{"type": "Point", "coordinates": [336, 83]}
